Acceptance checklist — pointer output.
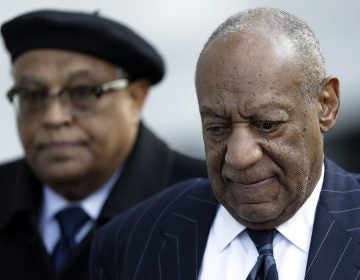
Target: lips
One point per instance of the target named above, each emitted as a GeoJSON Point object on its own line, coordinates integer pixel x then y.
{"type": "Point", "coordinates": [254, 191]}
{"type": "Point", "coordinates": [60, 149]}
{"type": "Point", "coordinates": [247, 183]}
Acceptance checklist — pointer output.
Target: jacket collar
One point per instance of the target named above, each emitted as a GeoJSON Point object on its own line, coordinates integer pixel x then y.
{"type": "Point", "coordinates": [22, 192]}
{"type": "Point", "coordinates": [144, 173]}
{"type": "Point", "coordinates": [187, 225]}
{"type": "Point", "coordinates": [334, 249]}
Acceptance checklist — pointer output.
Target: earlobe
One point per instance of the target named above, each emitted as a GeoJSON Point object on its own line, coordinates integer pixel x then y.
{"type": "Point", "coordinates": [329, 102]}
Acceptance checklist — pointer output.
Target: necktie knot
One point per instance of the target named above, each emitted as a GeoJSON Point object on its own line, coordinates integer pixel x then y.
{"type": "Point", "coordinates": [263, 240]}
{"type": "Point", "coordinates": [70, 221]}
{"type": "Point", "coordinates": [265, 267]}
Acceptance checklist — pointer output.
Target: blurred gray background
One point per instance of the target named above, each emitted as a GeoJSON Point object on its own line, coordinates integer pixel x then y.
{"type": "Point", "coordinates": [178, 29]}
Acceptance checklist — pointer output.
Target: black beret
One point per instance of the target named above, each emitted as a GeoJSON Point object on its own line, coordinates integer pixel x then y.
{"type": "Point", "coordinates": [85, 33]}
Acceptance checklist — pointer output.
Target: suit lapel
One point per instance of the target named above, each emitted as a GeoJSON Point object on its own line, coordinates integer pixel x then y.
{"type": "Point", "coordinates": [334, 253]}
{"type": "Point", "coordinates": [334, 249]}
{"type": "Point", "coordinates": [185, 234]}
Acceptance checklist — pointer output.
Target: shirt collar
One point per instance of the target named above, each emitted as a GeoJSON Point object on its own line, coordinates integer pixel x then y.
{"type": "Point", "coordinates": [298, 229]}
{"type": "Point", "coordinates": [92, 205]}
{"type": "Point", "coordinates": [226, 228]}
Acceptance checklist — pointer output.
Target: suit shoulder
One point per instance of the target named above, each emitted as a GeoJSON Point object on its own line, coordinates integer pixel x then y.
{"type": "Point", "coordinates": [12, 173]}
{"type": "Point", "coordinates": [338, 179]}
{"type": "Point", "coordinates": [146, 213]}
{"type": "Point", "coordinates": [128, 235]}
{"type": "Point", "coordinates": [11, 165]}
{"type": "Point", "coordinates": [158, 202]}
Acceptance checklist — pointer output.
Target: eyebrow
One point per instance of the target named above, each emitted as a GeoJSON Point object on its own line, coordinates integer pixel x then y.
{"type": "Point", "coordinates": [266, 108]}
{"type": "Point", "coordinates": [207, 112]}
{"type": "Point", "coordinates": [26, 79]}
{"type": "Point", "coordinates": [79, 74]}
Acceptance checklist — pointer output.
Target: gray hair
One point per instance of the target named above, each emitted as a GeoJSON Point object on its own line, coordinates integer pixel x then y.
{"type": "Point", "coordinates": [121, 73]}
{"type": "Point", "coordinates": [302, 37]}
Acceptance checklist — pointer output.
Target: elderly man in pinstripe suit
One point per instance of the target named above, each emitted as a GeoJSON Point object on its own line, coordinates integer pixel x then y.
{"type": "Point", "coordinates": [266, 102]}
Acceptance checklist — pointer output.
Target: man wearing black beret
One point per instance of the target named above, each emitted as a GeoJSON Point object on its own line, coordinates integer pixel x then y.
{"type": "Point", "coordinates": [80, 81]}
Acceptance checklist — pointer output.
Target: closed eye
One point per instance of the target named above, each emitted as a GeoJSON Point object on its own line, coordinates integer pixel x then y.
{"type": "Point", "coordinates": [216, 129]}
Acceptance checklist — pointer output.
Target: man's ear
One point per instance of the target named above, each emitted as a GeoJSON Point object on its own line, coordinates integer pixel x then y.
{"type": "Point", "coordinates": [329, 101]}
{"type": "Point", "coordinates": [138, 91]}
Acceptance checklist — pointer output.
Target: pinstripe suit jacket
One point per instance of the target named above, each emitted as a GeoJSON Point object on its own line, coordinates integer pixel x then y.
{"type": "Point", "coordinates": [165, 237]}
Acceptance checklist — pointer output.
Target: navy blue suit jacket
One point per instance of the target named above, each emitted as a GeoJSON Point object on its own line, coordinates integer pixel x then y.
{"type": "Point", "coordinates": [165, 236]}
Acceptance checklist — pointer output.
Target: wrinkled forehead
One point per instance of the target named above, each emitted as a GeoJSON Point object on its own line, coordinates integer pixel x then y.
{"type": "Point", "coordinates": [249, 72]}
{"type": "Point", "coordinates": [246, 55]}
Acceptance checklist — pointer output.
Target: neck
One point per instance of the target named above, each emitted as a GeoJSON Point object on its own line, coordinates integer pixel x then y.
{"type": "Point", "coordinates": [80, 189]}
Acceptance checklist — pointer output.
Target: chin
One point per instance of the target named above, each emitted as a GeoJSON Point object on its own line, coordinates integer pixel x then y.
{"type": "Point", "coordinates": [70, 184]}
{"type": "Point", "coordinates": [61, 173]}
{"type": "Point", "coordinates": [258, 215]}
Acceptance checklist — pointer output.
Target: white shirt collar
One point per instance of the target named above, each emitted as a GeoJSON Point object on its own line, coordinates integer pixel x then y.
{"type": "Point", "coordinates": [303, 220]}
{"type": "Point", "coordinates": [92, 205]}
{"type": "Point", "coordinates": [226, 228]}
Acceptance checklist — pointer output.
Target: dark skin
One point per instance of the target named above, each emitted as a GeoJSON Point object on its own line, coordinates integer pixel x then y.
{"type": "Point", "coordinates": [263, 136]}
{"type": "Point", "coordinates": [76, 156]}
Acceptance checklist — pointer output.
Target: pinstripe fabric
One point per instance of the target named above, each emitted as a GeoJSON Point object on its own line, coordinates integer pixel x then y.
{"type": "Point", "coordinates": [164, 238]}
{"type": "Point", "coordinates": [153, 240]}
{"type": "Point", "coordinates": [334, 250]}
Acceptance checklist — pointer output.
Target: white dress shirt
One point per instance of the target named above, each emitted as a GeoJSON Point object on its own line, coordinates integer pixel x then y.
{"type": "Point", "coordinates": [53, 203]}
{"type": "Point", "coordinates": [230, 253]}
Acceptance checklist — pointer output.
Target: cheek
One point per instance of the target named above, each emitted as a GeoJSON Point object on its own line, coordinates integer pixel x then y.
{"type": "Point", "coordinates": [215, 155]}
{"type": "Point", "coordinates": [299, 159]}
{"type": "Point", "coordinates": [27, 134]}
{"type": "Point", "coordinates": [315, 140]}
{"type": "Point", "coordinates": [100, 132]}
{"type": "Point", "coordinates": [292, 160]}
{"type": "Point", "coordinates": [111, 133]}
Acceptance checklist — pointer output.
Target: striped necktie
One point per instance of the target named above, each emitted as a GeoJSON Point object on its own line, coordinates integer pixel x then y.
{"type": "Point", "coordinates": [70, 220]}
{"type": "Point", "coordinates": [265, 267]}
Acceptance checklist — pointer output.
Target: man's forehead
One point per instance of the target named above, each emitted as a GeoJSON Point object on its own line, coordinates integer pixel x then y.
{"type": "Point", "coordinates": [58, 59]}
{"type": "Point", "coordinates": [228, 101]}
{"type": "Point", "coordinates": [56, 66]}
{"type": "Point", "coordinates": [240, 65]}
{"type": "Point", "coordinates": [59, 56]}
{"type": "Point", "coordinates": [249, 47]}
{"type": "Point", "coordinates": [253, 88]}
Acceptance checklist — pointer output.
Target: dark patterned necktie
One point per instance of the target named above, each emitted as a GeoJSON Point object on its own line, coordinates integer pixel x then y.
{"type": "Point", "coordinates": [265, 267]}
{"type": "Point", "coordinates": [70, 221]}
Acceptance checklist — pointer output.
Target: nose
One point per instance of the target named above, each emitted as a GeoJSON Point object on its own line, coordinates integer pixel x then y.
{"type": "Point", "coordinates": [243, 149]}
{"type": "Point", "coordinates": [55, 114]}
